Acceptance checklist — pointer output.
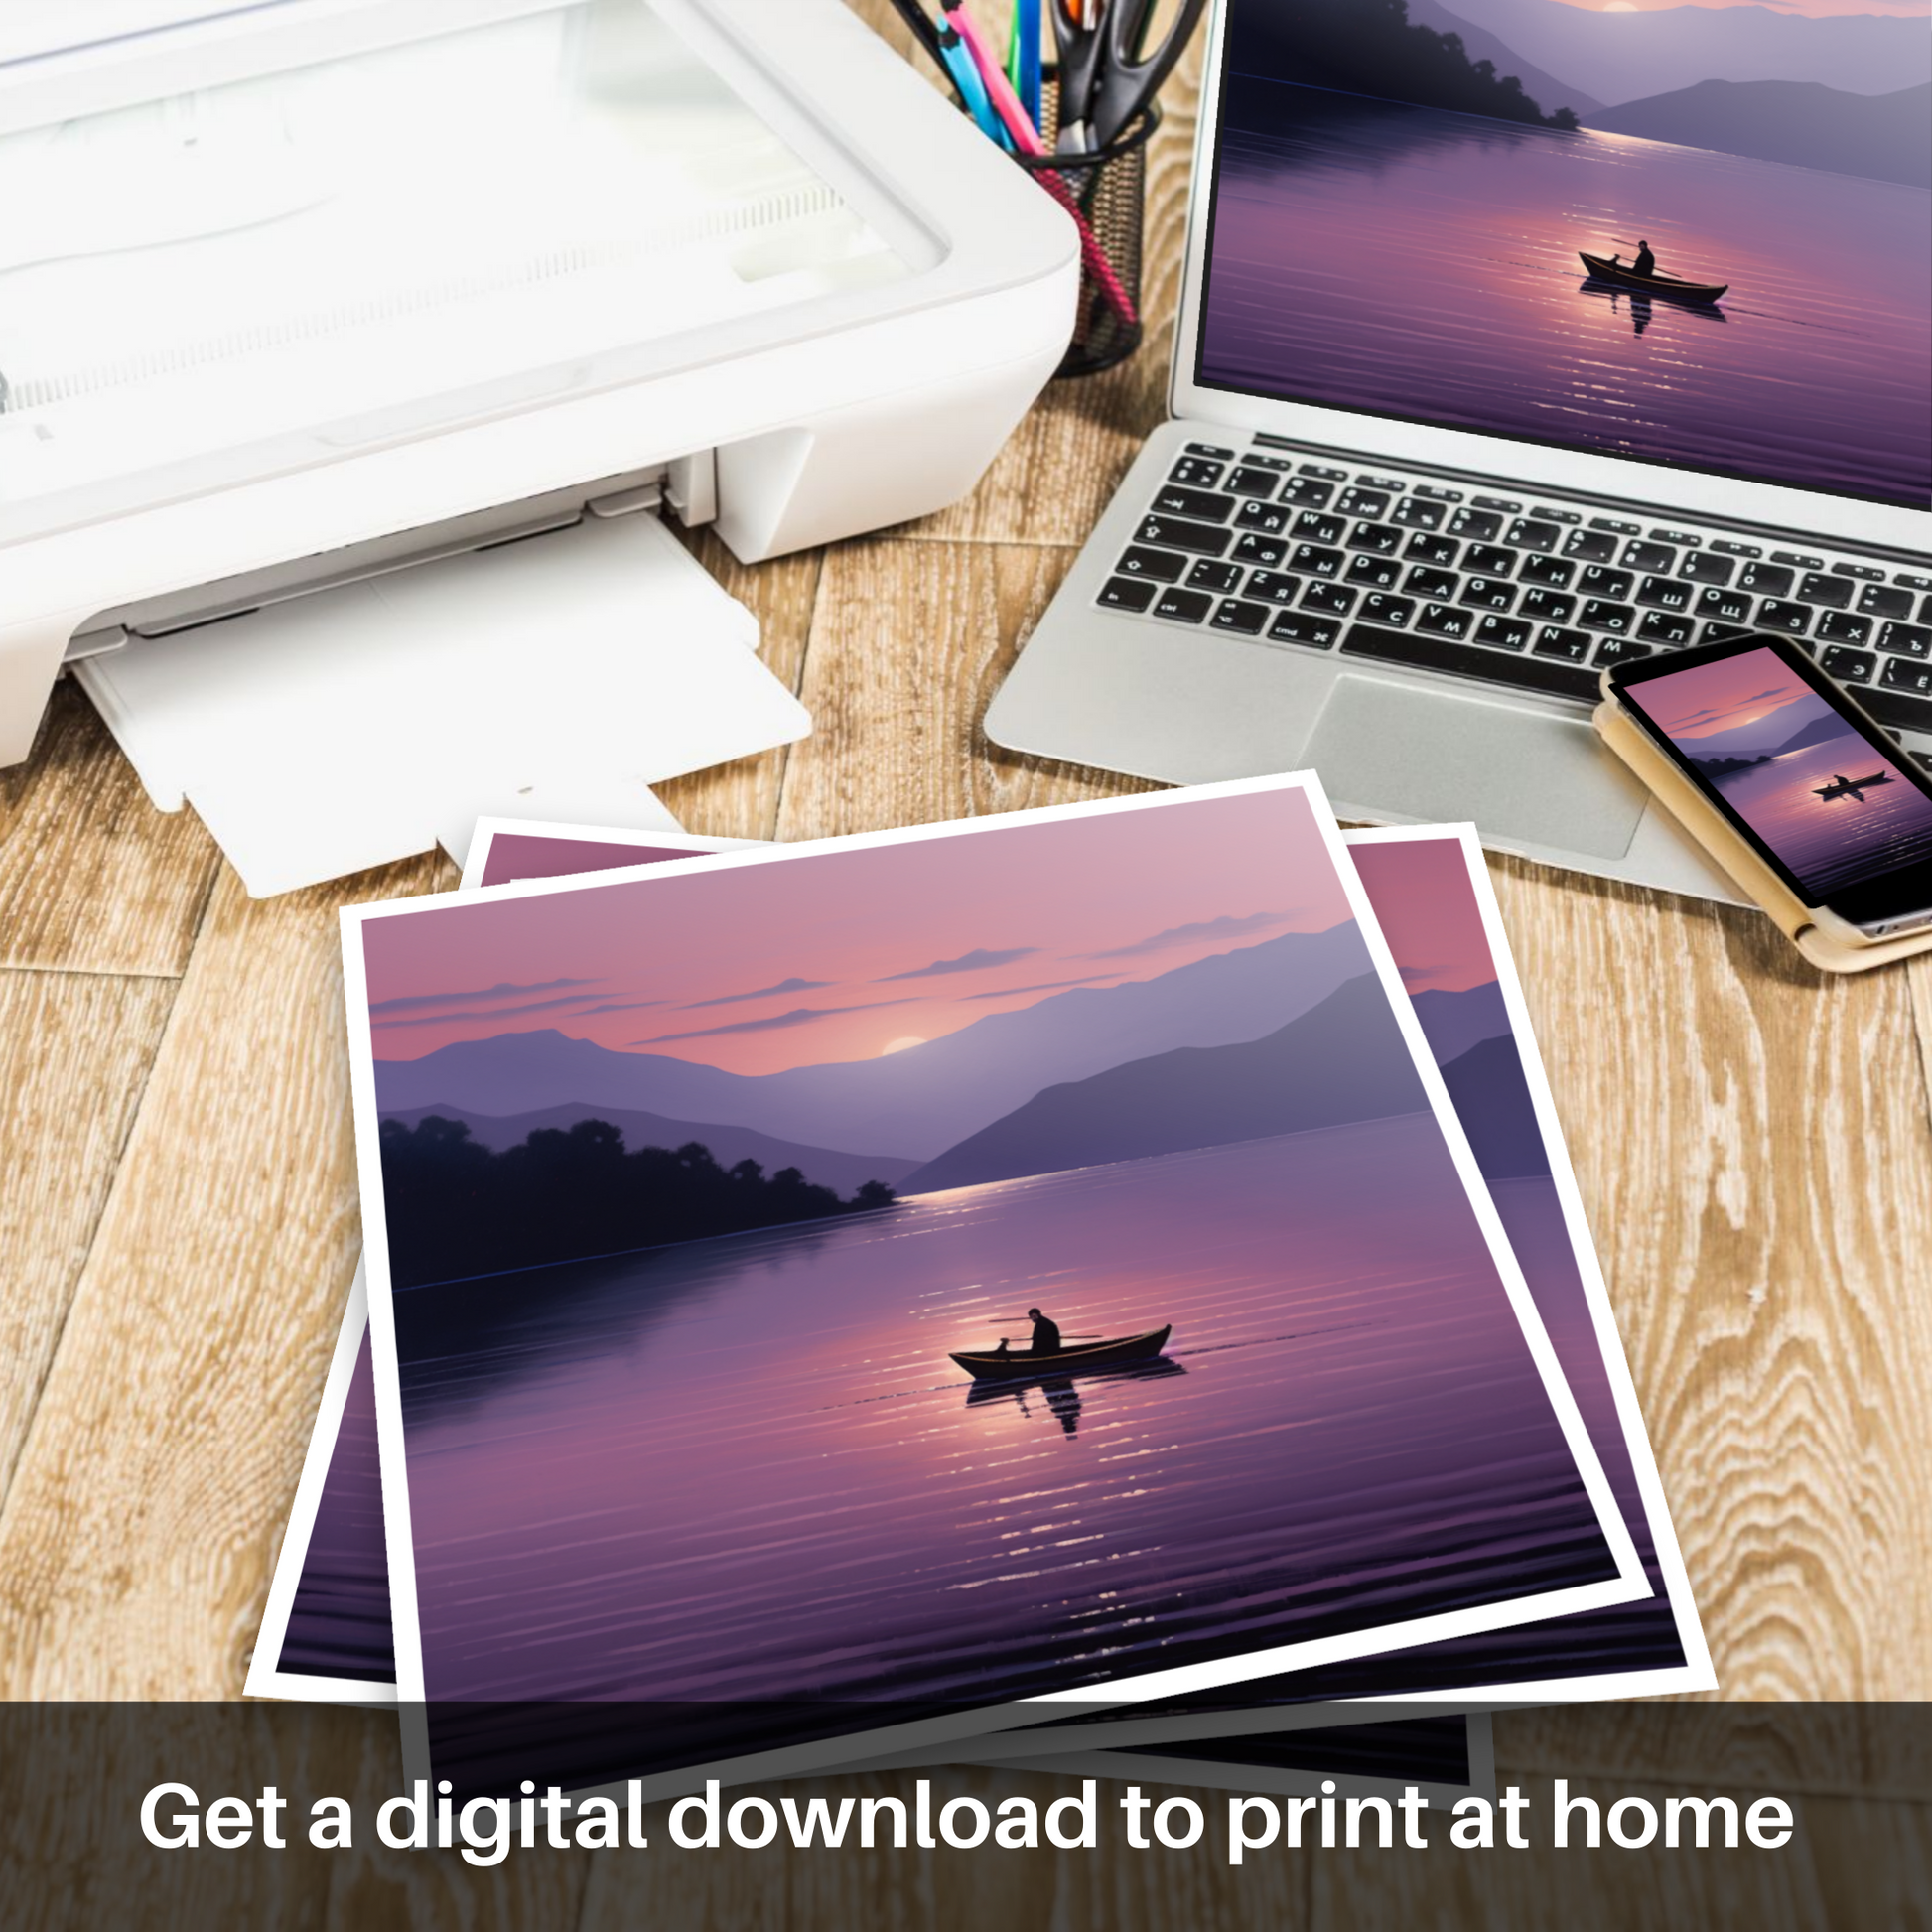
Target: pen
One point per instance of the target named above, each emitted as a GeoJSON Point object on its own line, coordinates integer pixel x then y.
{"type": "Point", "coordinates": [957, 57]}
{"type": "Point", "coordinates": [1022, 57]}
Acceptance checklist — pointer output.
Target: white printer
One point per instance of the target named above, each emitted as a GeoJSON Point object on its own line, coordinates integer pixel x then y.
{"type": "Point", "coordinates": [307, 299]}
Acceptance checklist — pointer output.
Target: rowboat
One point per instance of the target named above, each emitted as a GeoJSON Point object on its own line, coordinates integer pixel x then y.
{"type": "Point", "coordinates": [1620, 277]}
{"type": "Point", "coordinates": [985, 1366]}
{"type": "Point", "coordinates": [1852, 788]}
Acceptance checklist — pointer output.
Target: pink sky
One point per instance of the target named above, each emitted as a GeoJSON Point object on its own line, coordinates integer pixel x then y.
{"type": "Point", "coordinates": [1814, 9]}
{"type": "Point", "coordinates": [846, 955]}
{"type": "Point", "coordinates": [1427, 909]}
{"type": "Point", "coordinates": [1719, 697]}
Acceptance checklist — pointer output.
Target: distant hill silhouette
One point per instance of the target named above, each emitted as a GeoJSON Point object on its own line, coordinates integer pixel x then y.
{"type": "Point", "coordinates": [1371, 46]}
{"type": "Point", "coordinates": [1492, 1101]}
{"type": "Point", "coordinates": [1479, 44]}
{"type": "Point", "coordinates": [1624, 57]}
{"type": "Point", "coordinates": [823, 1166]}
{"type": "Point", "coordinates": [1453, 1022]}
{"type": "Point", "coordinates": [1884, 137]}
{"type": "Point", "coordinates": [1816, 733]}
{"type": "Point", "coordinates": [1345, 1061]}
{"type": "Point", "coordinates": [455, 1210]}
{"type": "Point", "coordinates": [916, 1103]}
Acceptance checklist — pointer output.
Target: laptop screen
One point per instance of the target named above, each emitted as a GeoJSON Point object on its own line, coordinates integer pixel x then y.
{"type": "Point", "coordinates": [1698, 236]}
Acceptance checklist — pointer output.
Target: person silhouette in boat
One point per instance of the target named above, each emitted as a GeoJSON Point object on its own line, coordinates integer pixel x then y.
{"type": "Point", "coordinates": [1645, 262]}
{"type": "Point", "coordinates": [1047, 1333]}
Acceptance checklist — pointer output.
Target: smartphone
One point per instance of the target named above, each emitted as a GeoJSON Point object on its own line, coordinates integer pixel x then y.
{"type": "Point", "coordinates": [1821, 792]}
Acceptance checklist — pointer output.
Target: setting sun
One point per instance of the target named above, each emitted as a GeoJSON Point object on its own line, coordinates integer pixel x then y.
{"type": "Point", "coordinates": [900, 1046]}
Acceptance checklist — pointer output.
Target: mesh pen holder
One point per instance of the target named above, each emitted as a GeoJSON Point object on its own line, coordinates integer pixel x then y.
{"type": "Point", "coordinates": [1105, 191]}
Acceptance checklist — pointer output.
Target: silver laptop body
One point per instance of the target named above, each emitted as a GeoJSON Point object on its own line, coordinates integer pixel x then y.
{"type": "Point", "coordinates": [1306, 639]}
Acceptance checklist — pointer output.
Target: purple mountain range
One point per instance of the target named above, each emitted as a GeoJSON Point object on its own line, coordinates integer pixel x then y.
{"type": "Point", "coordinates": [1345, 1061]}
{"type": "Point", "coordinates": [1776, 730]}
{"type": "Point", "coordinates": [915, 1103]}
{"type": "Point", "coordinates": [1453, 1022]}
{"type": "Point", "coordinates": [1624, 57]}
{"type": "Point", "coordinates": [1492, 1101]}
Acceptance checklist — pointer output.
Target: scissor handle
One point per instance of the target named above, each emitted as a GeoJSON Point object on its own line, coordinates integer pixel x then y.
{"type": "Point", "coordinates": [1128, 79]}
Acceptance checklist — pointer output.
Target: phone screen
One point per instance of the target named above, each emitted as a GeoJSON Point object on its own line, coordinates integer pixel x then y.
{"type": "Point", "coordinates": [1835, 805]}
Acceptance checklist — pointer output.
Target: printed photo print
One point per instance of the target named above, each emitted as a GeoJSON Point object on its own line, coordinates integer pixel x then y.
{"type": "Point", "coordinates": [939, 1272]}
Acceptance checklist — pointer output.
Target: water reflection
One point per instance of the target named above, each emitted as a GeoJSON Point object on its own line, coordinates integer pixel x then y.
{"type": "Point", "coordinates": [1063, 1398]}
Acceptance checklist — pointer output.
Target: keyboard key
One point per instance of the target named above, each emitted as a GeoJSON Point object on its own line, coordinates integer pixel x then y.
{"type": "Point", "coordinates": [1907, 640]}
{"type": "Point", "coordinates": [1184, 607]}
{"type": "Point", "coordinates": [1731, 549]}
{"type": "Point", "coordinates": [1445, 621]}
{"type": "Point", "coordinates": [1780, 613]}
{"type": "Point", "coordinates": [1480, 524]}
{"type": "Point", "coordinates": [1251, 548]}
{"type": "Point", "coordinates": [1879, 601]}
{"type": "Point", "coordinates": [1547, 606]}
{"type": "Point", "coordinates": [1723, 633]}
{"type": "Point", "coordinates": [1235, 614]}
{"type": "Point", "coordinates": [1297, 627]}
{"type": "Point", "coordinates": [1600, 614]}
{"type": "Point", "coordinates": [1835, 593]}
{"type": "Point", "coordinates": [1380, 572]}
{"type": "Point", "coordinates": [1925, 612]}
{"type": "Point", "coordinates": [1211, 448]}
{"type": "Point", "coordinates": [1197, 472]}
{"type": "Point", "coordinates": [1209, 574]}
{"type": "Point", "coordinates": [1269, 518]}
{"type": "Point", "coordinates": [1590, 546]}
{"type": "Point", "coordinates": [1701, 567]}
{"type": "Point", "coordinates": [1423, 549]}
{"type": "Point", "coordinates": [1615, 528]}
{"type": "Point", "coordinates": [1599, 582]}
{"type": "Point", "coordinates": [1902, 674]}
{"type": "Point", "coordinates": [1306, 493]}
{"type": "Point", "coordinates": [1531, 534]}
{"type": "Point", "coordinates": [1665, 594]}
{"type": "Point", "coordinates": [1864, 571]}
{"type": "Point", "coordinates": [1504, 633]}
{"type": "Point", "coordinates": [1389, 484]}
{"type": "Point", "coordinates": [1162, 565]}
{"type": "Point", "coordinates": [1383, 538]}
{"type": "Point", "coordinates": [1675, 537]}
{"type": "Point", "coordinates": [1488, 595]}
{"type": "Point", "coordinates": [1896, 707]}
{"type": "Point", "coordinates": [1488, 560]}
{"type": "Point", "coordinates": [1768, 580]}
{"type": "Point", "coordinates": [1554, 641]}
{"type": "Point", "coordinates": [1438, 653]}
{"type": "Point", "coordinates": [1176, 533]}
{"type": "Point", "coordinates": [1313, 561]}
{"type": "Point", "coordinates": [1797, 559]}
{"type": "Point", "coordinates": [1127, 593]}
{"type": "Point", "coordinates": [1724, 607]}
{"type": "Point", "coordinates": [1323, 470]}
{"type": "Point", "coordinates": [1508, 507]}
{"type": "Point", "coordinates": [1648, 555]}
{"type": "Point", "coordinates": [1247, 480]}
{"type": "Point", "coordinates": [1272, 586]}
{"type": "Point", "coordinates": [1170, 499]}
{"type": "Point", "coordinates": [1331, 598]}
{"type": "Point", "coordinates": [1418, 514]}
{"type": "Point", "coordinates": [1553, 517]}
{"type": "Point", "coordinates": [1912, 581]}
{"type": "Point", "coordinates": [1618, 650]}
{"type": "Point", "coordinates": [1840, 628]}
{"type": "Point", "coordinates": [1381, 609]}
{"type": "Point", "coordinates": [1313, 527]}
{"type": "Point", "coordinates": [1666, 628]}
{"type": "Point", "coordinates": [1438, 583]}
{"type": "Point", "coordinates": [1556, 572]}
{"type": "Point", "coordinates": [1364, 502]}
{"type": "Point", "coordinates": [1279, 464]}
{"type": "Point", "coordinates": [1440, 495]}
{"type": "Point", "coordinates": [1847, 666]}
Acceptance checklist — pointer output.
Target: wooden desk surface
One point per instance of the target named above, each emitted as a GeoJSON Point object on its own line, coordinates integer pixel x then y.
{"type": "Point", "coordinates": [178, 1214]}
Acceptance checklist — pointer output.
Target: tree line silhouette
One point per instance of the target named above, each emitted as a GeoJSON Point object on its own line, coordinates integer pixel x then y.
{"type": "Point", "coordinates": [1370, 47]}
{"type": "Point", "coordinates": [455, 1207]}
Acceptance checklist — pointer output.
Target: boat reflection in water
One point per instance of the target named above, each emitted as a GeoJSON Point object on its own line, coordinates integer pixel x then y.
{"type": "Point", "coordinates": [1062, 1397]}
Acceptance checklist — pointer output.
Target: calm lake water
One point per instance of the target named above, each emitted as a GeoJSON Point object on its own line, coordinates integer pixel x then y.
{"type": "Point", "coordinates": [745, 1468]}
{"type": "Point", "coordinates": [1833, 842]}
{"type": "Point", "coordinates": [1405, 260]}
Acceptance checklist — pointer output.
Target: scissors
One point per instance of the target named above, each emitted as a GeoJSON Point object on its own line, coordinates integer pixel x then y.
{"type": "Point", "coordinates": [1107, 75]}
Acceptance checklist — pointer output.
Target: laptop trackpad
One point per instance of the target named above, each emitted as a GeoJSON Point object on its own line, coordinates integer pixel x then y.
{"type": "Point", "coordinates": [1385, 747]}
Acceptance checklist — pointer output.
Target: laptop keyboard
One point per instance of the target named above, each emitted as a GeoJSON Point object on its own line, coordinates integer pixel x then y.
{"type": "Point", "coordinates": [1526, 595]}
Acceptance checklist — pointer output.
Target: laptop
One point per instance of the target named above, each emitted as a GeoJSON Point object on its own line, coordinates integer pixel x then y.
{"type": "Point", "coordinates": [1428, 471]}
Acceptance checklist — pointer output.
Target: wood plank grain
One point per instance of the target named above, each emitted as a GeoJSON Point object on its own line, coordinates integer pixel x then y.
{"type": "Point", "coordinates": [1850, 1865]}
{"type": "Point", "coordinates": [740, 800]}
{"type": "Point", "coordinates": [74, 1055]}
{"type": "Point", "coordinates": [1754, 1154]}
{"type": "Point", "coordinates": [95, 879]}
{"type": "Point", "coordinates": [137, 1536]}
{"type": "Point", "coordinates": [909, 642]}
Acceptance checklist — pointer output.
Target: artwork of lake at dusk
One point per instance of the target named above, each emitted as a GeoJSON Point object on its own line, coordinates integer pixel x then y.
{"type": "Point", "coordinates": [1401, 259]}
{"type": "Point", "coordinates": [1144, 1078]}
